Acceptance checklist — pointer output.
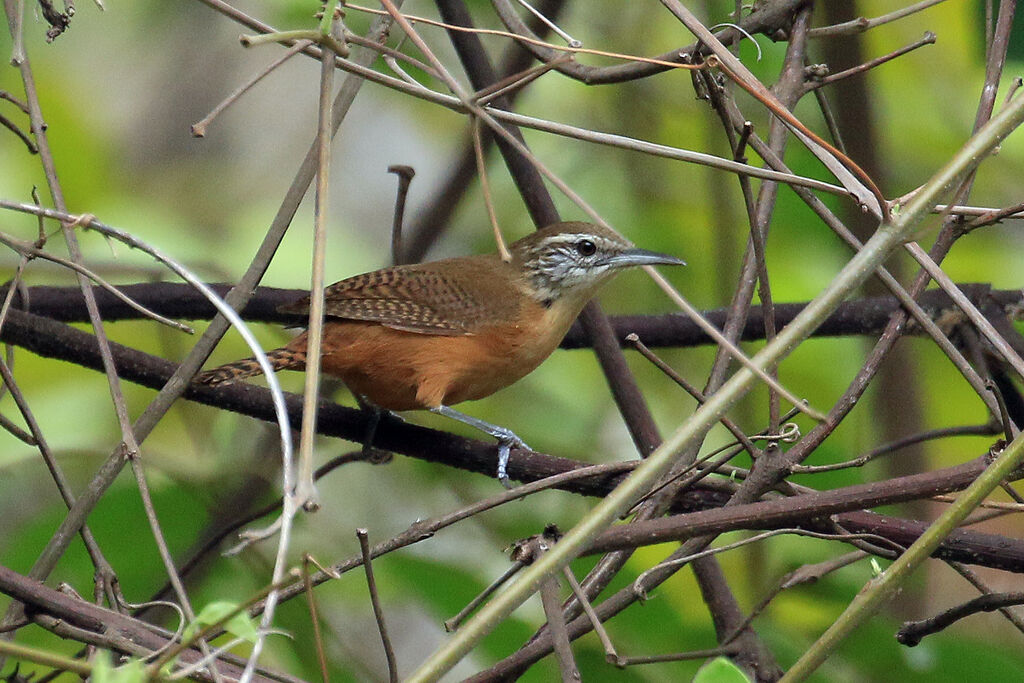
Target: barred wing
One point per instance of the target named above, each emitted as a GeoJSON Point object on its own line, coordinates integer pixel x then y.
{"type": "Point", "coordinates": [440, 298]}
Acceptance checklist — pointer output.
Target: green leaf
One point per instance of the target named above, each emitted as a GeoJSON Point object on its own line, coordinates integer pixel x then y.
{"type": "Point", "coordinates": [720, 670]}
{"type": "Point", "coordinates": [132, 671]}
{"type": "Point", "coordinates": [239, 625]}
{"type": "Point", "coordinates": [103, 670]}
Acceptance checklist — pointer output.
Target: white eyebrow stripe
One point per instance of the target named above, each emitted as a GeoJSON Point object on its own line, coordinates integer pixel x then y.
{"type": "Point", "coordinates": [564, 240]}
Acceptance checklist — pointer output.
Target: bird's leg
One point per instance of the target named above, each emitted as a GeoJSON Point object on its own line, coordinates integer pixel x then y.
{"type": "Point", "coordinates": [376, 413]}
{"type": "Point", "coordinates": [506, 438]}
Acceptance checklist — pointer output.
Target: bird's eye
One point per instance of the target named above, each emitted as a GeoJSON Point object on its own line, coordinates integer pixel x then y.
{"type": "Point", "coordinates": [586, 248]}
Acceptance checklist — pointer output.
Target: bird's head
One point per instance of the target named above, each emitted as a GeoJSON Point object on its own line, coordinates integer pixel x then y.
{"type": "Point", "coordinates": [575, 259]}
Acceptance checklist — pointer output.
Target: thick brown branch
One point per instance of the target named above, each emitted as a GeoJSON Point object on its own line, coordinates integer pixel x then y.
{"type": "Point", "coordinates": [53, 339]}
{"type": "Point", "coordinates": [812, 508]}
{"type": "Point", "coordinates": [866, 316]}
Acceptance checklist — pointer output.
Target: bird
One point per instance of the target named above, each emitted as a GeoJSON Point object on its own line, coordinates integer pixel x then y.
{"type": "Point", "coordinates": [431, 335]}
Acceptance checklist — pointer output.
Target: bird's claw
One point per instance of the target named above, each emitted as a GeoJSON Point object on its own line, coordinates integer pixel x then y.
{"type": "Point", "coordinates": [507, 440]}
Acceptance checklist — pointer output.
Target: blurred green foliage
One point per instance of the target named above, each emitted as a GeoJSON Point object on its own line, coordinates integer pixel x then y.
{"type": "Point", "coordinates": [119, 92]}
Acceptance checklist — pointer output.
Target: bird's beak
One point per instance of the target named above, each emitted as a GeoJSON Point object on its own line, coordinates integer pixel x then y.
{"type": "Point", "coordinates": [642, 257]}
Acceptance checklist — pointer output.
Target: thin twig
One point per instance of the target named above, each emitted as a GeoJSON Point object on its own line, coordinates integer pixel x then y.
{"type": "Point", "coordinates": [927, 39]}
{"type": "Point", "coordinates": [693, 391]}
{"type": "Point", "coordinates": [21, 135]}
{"type": "Point", "coordinates": [852, 177]}
{"type": "Point", "coordinates": [27, 249]}
{"type": "Point", "coordinates": [971, 577]}
{"type": "Point", "coordinates": [896, 445]}
{"type": "Point", "coordinates": [992, 216]}
{"type": "Point", "coordinates": [988, 504]}
{"type": "Point", "coordinates": [960, 210]}
{"type": "Point", "coordinates": [425, 529]}
{"type": "Point", "coordinates": [314, 617]}
{"type": "Point", "coordinates": [378, 612]}
{"type": "Point", "coordinates": [640, 589]}
{"type": "Point", "coordinates": [508, 86]}
{"type": "Point", "coordinates": [980, 321]}
{"type": "Point", "coordinates": [305, 490]}
{"type": "Point", "coordinates": [485, 189]}
{"type": "Point", "coordinates": [560, 637]}
{"type": "Point", "coordinates": [391, 55]}
{"type": "Point", "coordinates": [573, 49]}
{"type": "Point", "coordinates": [453, 623]}
{"type": "Point", "coordinates": [827, 113]}
{"type": "Point", "coordinates": [4, 95]}
{"type": "Point", "coordinates": [912, 632]}
{"type": "Point", "coordinates": [405, 175]}
{"type": "Point", "coordinates": [199, 128]}
{"type": "Point", "coordinates": [806, 574]}
{"type": "Point", "coordinates": [575, 132]}
{"type": "Point", "coordinates": [63, 486]}
{"type": "Point", "coordinates": [801, 404]}
{"type": "Point", "coordinates": [722, 651]}
{"type": "Point", "coordinates": [609, 648]}
{"type": "Point", "coordinates": [862, 24]}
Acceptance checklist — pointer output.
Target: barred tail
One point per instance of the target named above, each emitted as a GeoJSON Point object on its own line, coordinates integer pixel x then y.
{"type": "Point", "coordinates": [283, 358]}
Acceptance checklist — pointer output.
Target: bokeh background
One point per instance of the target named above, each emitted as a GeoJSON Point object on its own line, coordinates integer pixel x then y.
{"type": "Point", "coordinates": [120, 90]}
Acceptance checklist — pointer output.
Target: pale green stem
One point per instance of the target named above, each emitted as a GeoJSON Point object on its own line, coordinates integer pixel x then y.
{"type": "Point", "coordinates": [30, 654]}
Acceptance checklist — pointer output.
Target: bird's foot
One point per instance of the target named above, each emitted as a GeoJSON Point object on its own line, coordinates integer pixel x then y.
{"type": "Point", "coordinates": [375, 415]}
{"type": "Point", "coordinates": [507, 440]}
